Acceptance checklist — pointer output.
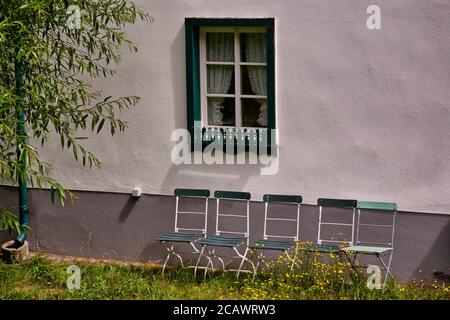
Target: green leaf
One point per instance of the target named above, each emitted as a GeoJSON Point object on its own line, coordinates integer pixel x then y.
{"type": "Point", "coordinates": [75, 152]}
{"type": "Point", "coordinates": [100, 126]}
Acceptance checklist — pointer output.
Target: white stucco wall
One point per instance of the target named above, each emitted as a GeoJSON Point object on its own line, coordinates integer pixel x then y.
{"type": "Point", "coordinates": [362, 113]}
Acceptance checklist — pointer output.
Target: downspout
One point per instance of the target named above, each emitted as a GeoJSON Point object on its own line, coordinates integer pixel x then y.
{"type": "Point", "coordinates": [21, 134]}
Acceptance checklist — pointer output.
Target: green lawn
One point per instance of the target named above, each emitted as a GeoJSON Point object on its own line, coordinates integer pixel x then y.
{"type": "Point", "coordinates": [40, 278]}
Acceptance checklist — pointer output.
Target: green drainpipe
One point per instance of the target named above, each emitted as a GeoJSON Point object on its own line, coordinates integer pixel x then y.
{"type": "Point", "coordinates": [23, 196]}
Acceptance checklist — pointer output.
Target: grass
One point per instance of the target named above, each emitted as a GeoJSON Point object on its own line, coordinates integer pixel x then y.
{"type": "Point", "coordinates": [40, 278]}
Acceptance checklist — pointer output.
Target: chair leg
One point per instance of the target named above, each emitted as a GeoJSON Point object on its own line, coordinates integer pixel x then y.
{"type": "Point", "coordinates": [244, 258]}
{"type": "Point", "coordinates": [387, 267]}
{"type": "Point", "coordinates": [210, 255]}
{"type": "Point", "coordinates": [242, 262]}
{"type": "Point", "coordinates": [352, 261]}
{"type": "Point", "coordinates": [213, 254]}
{"type": "Point", "coordinates": [179, 258]}
{"type": "Point", "coordinates": [169, 253]}
{"type": "Point", "coordinates": [165, 263]}
{"type": "Point", "coordinates": [200, 254]}
{"type": "Point", "coordinates": [260, 260]}
{"type": "Point", "coordinates": [291, 259]}
{"type": "Point", "coordinates": [194, 247]}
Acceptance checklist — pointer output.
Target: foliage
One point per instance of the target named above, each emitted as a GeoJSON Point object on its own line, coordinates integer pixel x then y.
{"type": "Point", "coordinates": [9, 221]}
{"type": "Point", "coordinates": [57, 61]}
{"type": "Point", "coordinates": [329, 276]}
{"type": "Point", "coordinates": [39, 278]}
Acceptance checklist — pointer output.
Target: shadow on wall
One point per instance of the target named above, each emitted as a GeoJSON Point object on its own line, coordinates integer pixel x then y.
{"type": "Point", "coordinates": [163, 215]}
{"type": "Point", "coordinates": [208, 177]}
{"type": "Point", "coordinates": [127, 209]}
{"type": "Point", "coordinates": [441, 246]}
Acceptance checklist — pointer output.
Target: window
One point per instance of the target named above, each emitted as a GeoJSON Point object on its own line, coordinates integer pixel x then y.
{"type": "Point", "coordinates": [230, 73]}
{"type": "Point", "coordinates": [233, 77]}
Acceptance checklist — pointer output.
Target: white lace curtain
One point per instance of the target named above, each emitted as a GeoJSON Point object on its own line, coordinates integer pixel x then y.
{"type": "Point", "coordinates": [220, 48]}
{"type": "Point", "coordinates": [256, 52]}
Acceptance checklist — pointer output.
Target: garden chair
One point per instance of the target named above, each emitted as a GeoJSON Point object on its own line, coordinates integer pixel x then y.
{"type": "Point", "coordinates": [331, 244]}
{"type": "Point", "coordinates": [379, 249]}
{"type": "Point", "coordinates": [227, 239]}
{"type": "Point", "coordinates": [185, 235]}
{"type": "Point", "coordinates": [277, 242]}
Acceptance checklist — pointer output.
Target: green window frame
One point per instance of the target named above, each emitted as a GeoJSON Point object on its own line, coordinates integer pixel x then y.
{"type": "Point", "coordinates": [193, 89]}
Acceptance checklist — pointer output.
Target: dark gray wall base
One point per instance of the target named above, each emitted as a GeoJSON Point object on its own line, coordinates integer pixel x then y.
{"type": "Point", "coordinates": [116, 226]}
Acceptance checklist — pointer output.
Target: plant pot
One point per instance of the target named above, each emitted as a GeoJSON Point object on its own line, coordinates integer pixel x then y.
{"type": "Point", "coordinates": [11, 254]}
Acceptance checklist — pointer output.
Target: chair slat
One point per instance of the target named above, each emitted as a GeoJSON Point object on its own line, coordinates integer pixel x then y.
{"type": "Point", "coordinates": [192, 193]}
{"type": "Point", "coordinates": [388, 206]}
{"type": "Point", "coordinates": [344, 203]}
{"type": "Point", "coordinates": [232, 195]}
{"type": "Point", "coordinates": [280, 198]}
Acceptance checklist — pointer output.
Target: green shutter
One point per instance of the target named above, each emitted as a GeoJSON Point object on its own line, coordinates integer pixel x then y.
{"type": "Point", "coordinates": [192, 76]}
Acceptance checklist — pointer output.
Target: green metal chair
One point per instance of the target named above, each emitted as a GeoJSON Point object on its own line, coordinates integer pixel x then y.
{"type": "Point", "coordinates": [226, 239]}
{"type": "Point", "coordinates": [332, 245]}
{"type": "Point", "coordinates": [277, 242]}
{"type": "Point", "coordinates": [379, 249]}
{"type": "Point", "coordinates": [184, 234]}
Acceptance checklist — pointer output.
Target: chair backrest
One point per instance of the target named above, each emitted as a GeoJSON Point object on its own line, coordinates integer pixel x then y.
{"type": "Point", "coordinates": [238, 196]}
{"type": "Point", "coordinates": [336, 203]}
{"type": "Point", "coordinates": [202, 194]}
{"type": "Point", "coordinates": [386, 207]}
{"type": "Point", "coordinates": [294, 200]}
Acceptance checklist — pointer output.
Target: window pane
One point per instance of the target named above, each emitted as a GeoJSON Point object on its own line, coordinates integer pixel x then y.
{"type": "Point", "coordinates": [253, 47]}
{"type": "Point", "coordinates": [254, 112]}
{"type": "Point", "coordinates": [220, 79]}
{"type": "Point", "coordinates": [220, 46]}
{"type": "Point", "coordinates": [221, 112]}
{"type": "Point", "coordinates": [254, 80]}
